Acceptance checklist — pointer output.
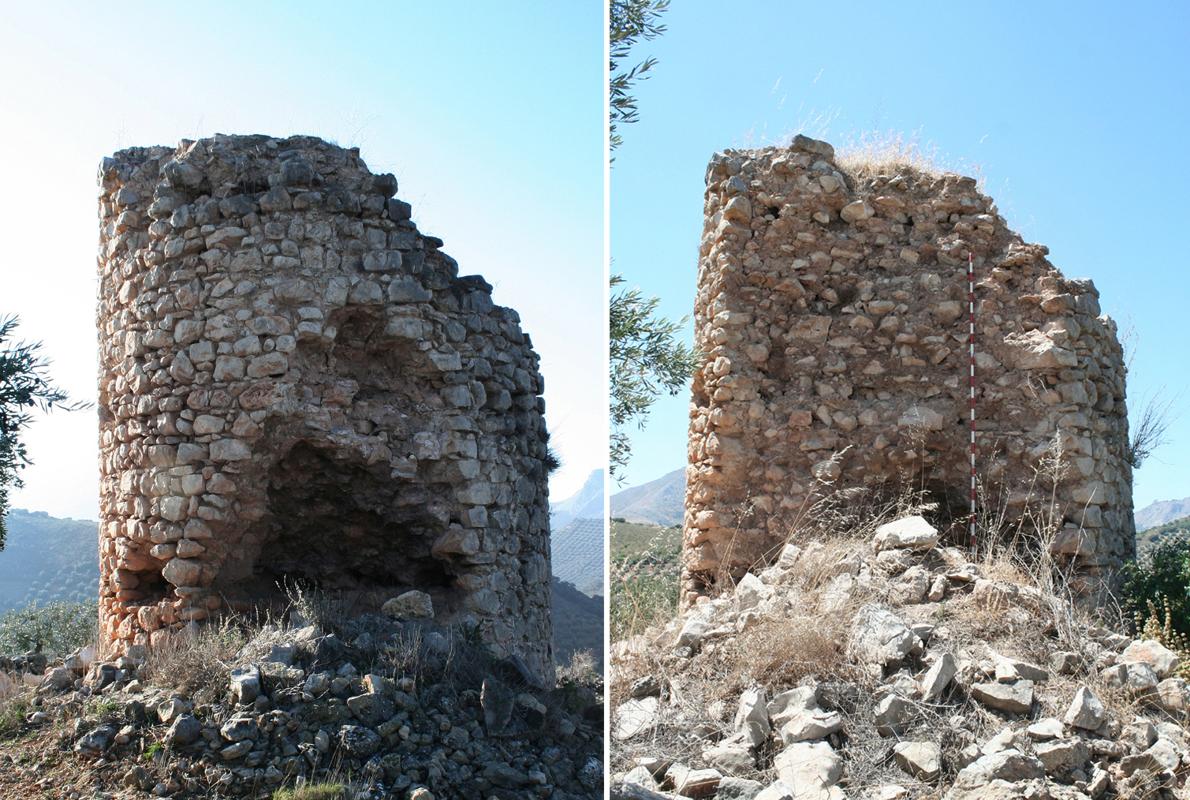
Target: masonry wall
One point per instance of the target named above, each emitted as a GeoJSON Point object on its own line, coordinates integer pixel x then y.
{"type": "Point", "coordinates": [297, 388]}
{"type": "Point", "coordinates": [832, 313]}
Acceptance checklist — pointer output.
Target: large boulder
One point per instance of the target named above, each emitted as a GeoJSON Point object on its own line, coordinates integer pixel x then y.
{"type": "Point", "coordinates": [413, 604]}
{"type": "Point", "coordinates": [1013, 698]}
{"type": "Point", "coordinates": [938, 677]}
{"type": "Point", "coordinates": [1006, 765]}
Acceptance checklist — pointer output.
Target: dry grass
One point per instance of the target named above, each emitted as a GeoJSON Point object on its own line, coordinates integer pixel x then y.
{"type": "Point", "coordinates": [887, 153]}
{"type": "Point", "coordinates": [872, 153]}
{"type": "Point", "coordinates": [197, 662]}
{"type": "Point", "coordinates": [312, 791]}
{"type": "Point", "coordinates": [13, 710]}
{"type": "Point", "coordinates": [783, 653]}
{"type": "Point", "coordinates": [580, 670]}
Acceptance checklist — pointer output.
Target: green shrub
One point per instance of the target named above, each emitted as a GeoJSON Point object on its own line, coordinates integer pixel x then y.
{"type": "Point", "coordinates": [1159, 579]}
{"type": "Point", "coordinates": [54, 629]}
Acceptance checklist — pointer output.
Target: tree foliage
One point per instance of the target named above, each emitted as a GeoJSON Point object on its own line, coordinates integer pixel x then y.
{"type": "Point", "coordinates": [646, 358]}
{"type": "Point", "coordinates": [630, 22]}
{"type": "Point", "coordinates": [24, 386]}
{"type": "Point", "coordinates": [1161, 576]}
{"type": "Point", "coordinates": [54, 629]}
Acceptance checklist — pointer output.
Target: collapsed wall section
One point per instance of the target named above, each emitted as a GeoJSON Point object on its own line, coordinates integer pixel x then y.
{"type": "Point", "coordinates": [297, 389]}
{"type": "Point", "coordinates": [832, 315]}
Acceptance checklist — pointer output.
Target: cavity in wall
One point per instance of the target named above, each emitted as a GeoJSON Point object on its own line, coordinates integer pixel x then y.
{"type": "Point", "coordinates": [297, 387]}
{"type": "Point", "coordinates": [832, 314]}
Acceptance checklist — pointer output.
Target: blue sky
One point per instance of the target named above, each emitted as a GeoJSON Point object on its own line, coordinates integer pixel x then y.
{"type": "Point", "coordinates": [1076, 117]}
{"type": "Point", "coordinates": [489, 114]}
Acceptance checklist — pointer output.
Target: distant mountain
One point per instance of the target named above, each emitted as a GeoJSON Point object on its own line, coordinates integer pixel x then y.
{"type": "Point", "coordinates": [578, 623]}
{"type": "Point", "coordinates": [659, 502]}
{"type": "Point", "coordinates": [587, 503]}
{"type": "Point", "coordinates": [577, 555]}
{"type": "Point", "coordinates": [1161, 512]}
{"type": "Point", "coordinates": [48, 559]}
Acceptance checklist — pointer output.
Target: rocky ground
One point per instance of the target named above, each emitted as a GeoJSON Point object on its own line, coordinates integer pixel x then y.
{"type": "Point", "coordinates": [384, 708]}
{"type": "Point", "coordinates": [892, 667]}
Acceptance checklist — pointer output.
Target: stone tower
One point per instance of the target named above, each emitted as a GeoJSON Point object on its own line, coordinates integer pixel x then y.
{"type": "Point", "coordinates": [297, 386]}
{"type": "Point", "coordinates": [832, 315]}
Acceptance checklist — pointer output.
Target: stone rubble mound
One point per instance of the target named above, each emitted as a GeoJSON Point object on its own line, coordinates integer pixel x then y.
{"type": "Point", "coordinates": [303, 705]}
{"type": "Point", "coordinates": [929, 699]}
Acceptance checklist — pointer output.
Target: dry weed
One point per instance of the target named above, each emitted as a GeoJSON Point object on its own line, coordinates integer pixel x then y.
{"type": "Point", "coordinates": [196, 661]}
{"type": "Point", "coordinates": [872, 153]}
{"type": "Point", "coordinates": [580, 670]}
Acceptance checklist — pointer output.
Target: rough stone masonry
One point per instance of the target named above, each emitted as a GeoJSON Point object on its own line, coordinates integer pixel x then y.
{"type": "Point", "coordinates": [832, 315]}
{"type": "Point", "coordinates": [296, 388]}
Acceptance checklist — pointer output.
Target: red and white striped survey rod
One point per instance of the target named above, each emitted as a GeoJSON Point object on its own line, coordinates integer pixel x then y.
{"type": "Point", "coordinates": [971, 380]}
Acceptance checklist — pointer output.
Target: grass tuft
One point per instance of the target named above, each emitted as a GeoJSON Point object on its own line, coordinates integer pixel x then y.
{"type": "Point", "coordinates": [196, 662]}
{"type": "Point", "coordinates": [312, 791]}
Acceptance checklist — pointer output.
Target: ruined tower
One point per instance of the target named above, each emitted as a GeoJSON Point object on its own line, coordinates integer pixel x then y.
{"type": "Point", "coordinates": [297, 386]}
{"type": "Point", "coordinates": [832, 314]}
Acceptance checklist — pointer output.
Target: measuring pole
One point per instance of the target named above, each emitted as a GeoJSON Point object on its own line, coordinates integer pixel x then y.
{"type": "Point", "coordinates": [971, 380]}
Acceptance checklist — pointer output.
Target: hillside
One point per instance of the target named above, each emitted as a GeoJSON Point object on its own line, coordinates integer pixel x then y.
{"type": "Point", "coordinates": [633, 541]}
{"type": "Point", "coordinates": [46, 559]}
{"type": "Point", "coordinates": [576, 552]}
{"type": "Point", "coordinates": [586, 503]}
{"type": "Point", "coordinates": [658, 502]}
{"type": "Point", "coordinates": [1161, 512]}
{"type": "Point", "coordinates": [578, 623]}
{"type": "Point", "coordinates": [645, 569]}
{"type": "Point", "coordinates": [1150, 538]}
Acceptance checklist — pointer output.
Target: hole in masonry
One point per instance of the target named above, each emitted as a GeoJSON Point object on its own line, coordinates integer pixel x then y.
{"type": "Point", "coordinates": [345, 528]}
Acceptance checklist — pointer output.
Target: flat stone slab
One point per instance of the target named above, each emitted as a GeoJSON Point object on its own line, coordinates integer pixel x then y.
{"type": "Point", "coordinates": [1014, 698]}
{"type": "Point", "coordinates": [913, 533]}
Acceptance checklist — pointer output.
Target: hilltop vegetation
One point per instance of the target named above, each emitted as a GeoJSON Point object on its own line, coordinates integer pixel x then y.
{"type": "Point", "coordinates": [1148, 539]}
{"type": "Point", "coordinates": [47, 559]}
{"type": "Point", "coordinates": [578, 624]}
{"type": "Point", "coordinates": [645, 570]}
